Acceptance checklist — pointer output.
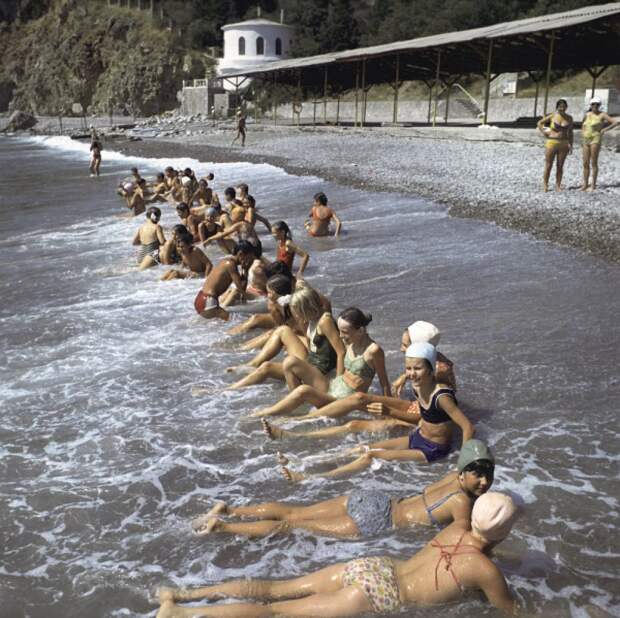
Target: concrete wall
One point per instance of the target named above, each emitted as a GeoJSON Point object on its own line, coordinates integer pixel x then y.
{"type": "Point", "coordinates": [195, 101]}
{"type": "Point", "coordinates": [502, 109]}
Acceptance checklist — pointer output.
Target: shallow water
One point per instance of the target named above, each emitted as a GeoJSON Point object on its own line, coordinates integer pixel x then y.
{"type": "Point", "coordinates": [105, 456]}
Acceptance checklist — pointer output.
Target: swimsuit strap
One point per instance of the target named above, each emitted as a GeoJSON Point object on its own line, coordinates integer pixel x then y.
{"type": "Point", "coordinates": [445, 554]}
{"type": "Point", "coordinates": [436, 505]}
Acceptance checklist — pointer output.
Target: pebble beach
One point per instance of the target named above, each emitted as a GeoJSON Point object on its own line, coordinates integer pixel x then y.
{"type": "Point", "coordinates": [490, 174]}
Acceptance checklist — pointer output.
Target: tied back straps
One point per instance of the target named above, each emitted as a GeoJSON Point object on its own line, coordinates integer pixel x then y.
{"type": "Point", "coordinates": [447, 555]}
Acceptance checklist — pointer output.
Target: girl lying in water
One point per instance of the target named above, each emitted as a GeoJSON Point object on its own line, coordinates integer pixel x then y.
{"type": "Point", "coordinates": [452, 565]}
{"type": "Point", "coordinates": [365, 513]}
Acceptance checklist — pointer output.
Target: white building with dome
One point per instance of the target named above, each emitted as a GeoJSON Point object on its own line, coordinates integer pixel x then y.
{"type": "Point", "coordinates": [250, 43]}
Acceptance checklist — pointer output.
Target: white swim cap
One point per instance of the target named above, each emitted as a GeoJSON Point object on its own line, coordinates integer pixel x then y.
{"type": "Point", "coordinates": [493, 515]}
{"type": "Point", "coordinates": [424, 332]}
{"type": "Point", "coordinates": [595, 100]}
{"type": "Point", "coordinates": [186, 180]}
{"type": "Point", "coordinates": [128, 186]}
{"type": "Point", "coordinates": [423, 350]}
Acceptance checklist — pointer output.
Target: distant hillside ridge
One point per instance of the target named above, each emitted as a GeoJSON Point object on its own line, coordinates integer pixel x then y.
{"type": "Point", "coordinates": [105, 58]}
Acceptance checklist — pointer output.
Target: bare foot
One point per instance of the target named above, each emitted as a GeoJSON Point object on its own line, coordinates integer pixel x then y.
{"type": "Point", "coordinates": [240, 369]}
{"type": "Point", "coordinates": [590, 189]}
{"type": "Point", "coordinates": [211, 526]}
{"type": "Point", "coordinates": [220, 508]}
{"type": "Point", "coordinates": [546, 188]}
{"type": "Point", "coordinates": [273, 433]}
{"type": "Point", "coordinates": [558, 188]}
{"type": "Point", "coordinates": [286, 472]}
{"type": "Point", "coordinates": [165, 594]}
{"type": "Point", "coordinates": [197, 391]}
{"type": "Point", "coordinates": [583, 188]}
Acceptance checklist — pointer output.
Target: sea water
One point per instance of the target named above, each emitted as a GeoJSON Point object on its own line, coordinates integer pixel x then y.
{"type": "Point", "coordinates": [105, 456]}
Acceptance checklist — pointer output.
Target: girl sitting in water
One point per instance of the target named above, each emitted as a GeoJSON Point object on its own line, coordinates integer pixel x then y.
{"type": "Point", "coordinates": [431, 440]}
{"type": "Point", "coordinates": [365, 513]}
{"type": "Point", "coordinates": [363, 358]}
{"type": "Point", "coordinates": [319, 352]}
{"type": "Point", "coordinates": [149, 238]}
{"type": "Point", "coordinates": [286, 248]}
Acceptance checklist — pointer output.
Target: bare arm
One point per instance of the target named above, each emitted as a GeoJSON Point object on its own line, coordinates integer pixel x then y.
{"type": "Point", "coordinates": [571, 134]}
{"type": "Point", "coordinates": [448, 405]}
{"type": "Point", "coordinates": [236, 278]}
{"type": "Point", "coordinates": [338, 223]}
{"type": "Point", "coordinates": [136, 238]}
{"type": "Point", "coordinates": [378, 359]}
{"type": "Point", "coordinates": [494, 586]}
{"type": "Point", "coordinates": [291, 246]}
{"type": "Point", "coordinates": [227, 232]}
{"type": "Point", "coordinates": [542, 122]}
{"type": "Point", "coordinates": [613, 122]}
{"type": "Point", "coordinates": [330, 330]}
{"type": "Point", "coordinates": [160, 235]}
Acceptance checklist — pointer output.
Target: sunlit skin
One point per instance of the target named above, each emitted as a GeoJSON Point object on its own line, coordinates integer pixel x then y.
{"type": "Point", "coordinates": [292, 248]}
{"type": "Point", "coordinates": [331, 518]}
{"type": "Point", "coordinates": [326, 593]}
{"type": "Point", "coordinates": [559, 143]}
{"type": "Point", "coordinates": [360, 344]}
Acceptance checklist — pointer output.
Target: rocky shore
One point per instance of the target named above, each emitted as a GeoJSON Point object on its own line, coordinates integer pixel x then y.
{"type": "Point", "coordinates": [483, 173]}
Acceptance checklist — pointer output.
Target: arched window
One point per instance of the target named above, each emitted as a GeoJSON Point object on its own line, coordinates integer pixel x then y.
{"type": "Point", "coordinates": [260, 46]}
{"type": "Point", "coordinates": [241, 46]}
{"type": "Point", "coordinates": [278, 47]}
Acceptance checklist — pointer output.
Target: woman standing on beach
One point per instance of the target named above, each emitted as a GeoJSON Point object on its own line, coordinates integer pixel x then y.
{"type": "Point", "coordinates": [559, 142]}
{"type": "Point", "coordinates": [591, 132]}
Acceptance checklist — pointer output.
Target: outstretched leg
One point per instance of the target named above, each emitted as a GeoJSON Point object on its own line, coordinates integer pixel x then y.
{"type": "Point", "coordinates": [298, 371]}
{"type": "Point", "coordinates": [302, 394]}
{"type": "Point", "coordinates": [282, 337]}
{"type": "Point", "coordinates": [352, 427]}
{"type": "Point", "coordinates": [258, 376]}
{"type": "Point", "coordinates": [258, 320]}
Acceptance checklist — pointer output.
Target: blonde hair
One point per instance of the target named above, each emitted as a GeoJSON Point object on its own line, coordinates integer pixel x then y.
{"type": "Point", "coordinates": [306, 302]}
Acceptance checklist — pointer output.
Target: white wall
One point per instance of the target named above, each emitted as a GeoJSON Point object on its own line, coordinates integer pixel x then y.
{"type": "Point", "coordinates": [269, 32]}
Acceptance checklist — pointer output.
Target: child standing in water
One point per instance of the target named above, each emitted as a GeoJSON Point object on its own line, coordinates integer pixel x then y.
{"type": "Point", "coordinates": [95, 157]}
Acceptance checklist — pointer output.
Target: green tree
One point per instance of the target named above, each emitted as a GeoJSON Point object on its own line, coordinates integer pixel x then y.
{"type": "Point", "coordinates": [342, 27]}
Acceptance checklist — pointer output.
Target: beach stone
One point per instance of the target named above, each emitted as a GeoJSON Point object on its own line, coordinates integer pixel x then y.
{"type": "Point", "coordinates": [20, 121]}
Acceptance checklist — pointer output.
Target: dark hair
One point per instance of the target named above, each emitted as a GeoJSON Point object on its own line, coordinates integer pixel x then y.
{"type": "Point", "coordinates": [141, 182]}
{"type": "Point", "coordinates": [355, 317]}
{"type": "Point", "coordinates": [230, 192]}
{"type": "Point", "coordinates": [281, 226]}
{"type": "Point", "coordinates": [251, 201]}
{"type": "Point", "coordinates": [243, 246]}
{"type": "Point", "coordinates": [258, 249]}
{"type": "Point", "coordinates": [203, 181]}
{"type": "Point", "coordinates": [160, 175]}
{"type": "Point", "coordinates": [188, 239]}
{"type": "Point", "coordinates": [188, 171]}
{"type": "Point", "coordinates": [179, 229]}
{"type": "Point", "coordinates": [182, 206]}
{"type": "Point", "coordinates": [153, 210]}
{"type": "Point", "coordinates": [210, 176]}
{"type": "Point", "coordinates": [169, 169]}
{"type": "Point", "coordinates": [321, 198]}
{"type": "Point", "coordinates": [134, 170]}
{"type": "Point", "coordinates": [244, 188]}
{"type": "Point", "coordinates": [559, 102]}
{"type": "Point", "coordinates": [280, 284]}
{"type": "Point", "coordinates": [278, 268]}
{"type": "Point", "coordinates": [481, 467]}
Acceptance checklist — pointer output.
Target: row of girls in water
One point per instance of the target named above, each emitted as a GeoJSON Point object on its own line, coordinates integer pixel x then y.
{"type": "Point", "coordinates": [330, 364]}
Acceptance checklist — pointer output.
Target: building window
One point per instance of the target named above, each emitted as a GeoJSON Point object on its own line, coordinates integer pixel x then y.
{"type": "Point", "coordinates": [278, 47]}
{"type": "Point", "coordinates": [241, 46]}
{"type": "Point", "coordinates": [260, 46]}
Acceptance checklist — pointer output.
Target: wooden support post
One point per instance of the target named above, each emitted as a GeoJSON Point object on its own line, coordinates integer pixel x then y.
{"type": "Point", "coordinates": [314, 112]}
{"type": "Point", "coordinates": [396, 89]}
{"type": "Point", "coordinates": [437, 84]}
{"type": "Point", "coordinates": [325, 97]}
{"type": "Point", "coordinates": [357, 80]}
{"type": "Point", "coordinates": [430, 100]}
{"type": "Point", "coordinates": [449, 90]}
{"type": "Point", "coordinates": [549, 65]}
{"type": "Point", "coordinates": [338, 111]}
{"type": "Point", "coordinates": [152, 8]}
{"type": "Point", "coordinates": [275, 99]}
{"type": "Point", "coordinates": [487, 84]}
{"type": "Point", "coordinates": [363, 118]}
{"type": "Point", "coordinates": [256, 101]}
{"type": "Point", "coordinates": [299, 97]}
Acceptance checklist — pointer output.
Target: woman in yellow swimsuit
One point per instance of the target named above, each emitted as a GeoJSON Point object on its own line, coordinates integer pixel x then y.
{"type": "Point", "coordinates": [558, 129]}
{"type": "Point", "coordinates": [592, 130]}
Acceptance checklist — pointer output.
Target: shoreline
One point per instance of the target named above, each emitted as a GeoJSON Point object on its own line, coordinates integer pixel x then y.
{"type": "Point", "coordinates": [492, 175]}
{"type": "Point", "coordinates": [425, 162]}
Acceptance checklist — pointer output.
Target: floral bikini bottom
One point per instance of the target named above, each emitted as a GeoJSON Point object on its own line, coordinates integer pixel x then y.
{"type": "Point", "coordinates": [376, 577]}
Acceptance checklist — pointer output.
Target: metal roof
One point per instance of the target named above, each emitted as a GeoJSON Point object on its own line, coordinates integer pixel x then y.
{"type": "Point", "coordinates": [585, 37]}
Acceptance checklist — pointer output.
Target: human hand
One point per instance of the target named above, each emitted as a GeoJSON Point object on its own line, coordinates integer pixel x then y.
{"type": "Point", "coordinates": [378, 409]}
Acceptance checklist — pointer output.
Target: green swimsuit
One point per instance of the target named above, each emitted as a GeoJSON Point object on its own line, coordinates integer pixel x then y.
{"type": "Point", "coordinates": [357, 366]}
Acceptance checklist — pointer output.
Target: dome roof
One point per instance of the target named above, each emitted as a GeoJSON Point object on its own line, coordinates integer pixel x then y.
{"type": "Point", "coordinates": [258, 21]}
